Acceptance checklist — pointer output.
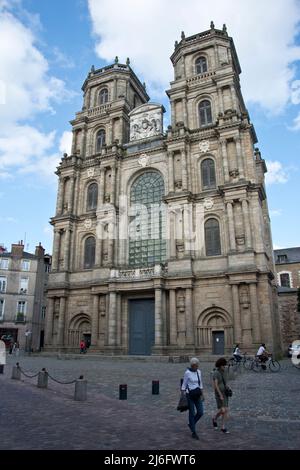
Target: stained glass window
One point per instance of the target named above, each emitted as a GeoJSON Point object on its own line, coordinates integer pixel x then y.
{"type": "Point", "coordinates": [147, 221]}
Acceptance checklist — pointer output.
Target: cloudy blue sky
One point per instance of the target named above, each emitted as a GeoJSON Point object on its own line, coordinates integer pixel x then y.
{"type": "Point", "coordinates": [48, 46]}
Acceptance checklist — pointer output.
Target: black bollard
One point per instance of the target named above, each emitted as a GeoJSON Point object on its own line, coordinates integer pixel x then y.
{"type": "Point", "coordinates": [181, 382]}
{"type": "Point", "coordinates": [155, 387]}
{"type": "Point", "coordinates": [1, 368]}
{"type": "Point", "coordinates": [123, 392]}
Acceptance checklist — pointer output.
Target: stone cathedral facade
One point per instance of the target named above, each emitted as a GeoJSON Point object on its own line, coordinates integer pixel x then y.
{"type": "Point", "coordinates": [162, 240]}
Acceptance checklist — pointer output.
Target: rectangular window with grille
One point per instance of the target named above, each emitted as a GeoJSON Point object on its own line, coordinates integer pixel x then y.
{"type": "Point", "coordinates": [2, 308]}
{"type": "Point", "coordinates": [3, 283]}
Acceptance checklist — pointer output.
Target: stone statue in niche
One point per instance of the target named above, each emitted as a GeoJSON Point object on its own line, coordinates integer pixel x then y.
{"type": "Point", "coordinates": [178, 184]}
{"type": "Point", "coordinates": [180, 307]}
{"type": "Point", "coordinates": [180, 248]}
{"type": "Point", "coordinates": [244, 296]}
{"type": "Point", "coordinates": [240, 240]}
{"type": "Point", "coordinates": [234, 173]}
{"type": "Point", "coordinates": [102, 307]}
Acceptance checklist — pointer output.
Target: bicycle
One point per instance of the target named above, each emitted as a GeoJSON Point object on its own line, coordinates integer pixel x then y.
{"type": "Point", "coordinates": [235, 363]}
{"type": "Point", "coordinates": [257, 365]}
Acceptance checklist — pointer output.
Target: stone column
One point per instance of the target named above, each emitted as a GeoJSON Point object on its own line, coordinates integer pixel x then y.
{"type": "Point", "coordinates": [158, 317]}
{"type": "Point", "coordinates": [172, 317]}
{"type": "Point", "coordinates": [225, 160]}
{"type": "Point", "coordinates": [255, 320]}
{"type": "Point", "coordinates": [184, 170]}
{"type": "Point", "coordinates": [172, 235]}
{"type": "Point", "coordinates": [190, 337]}
{"type": "Point", "coordinates": [101, 188]}
{"type": "Point", "coordinates": [173, 116]}
{"type": "Point", "coordinates": [83, 142]}
{"type": "Point", "coordinates": [220, 98]}
{"type": "Point", "coordinates": [112, 319]}
{"type": "Point", "coordinates": [113, 184]}
{"type": "Point", "coordinates": [237, 326]}
{"type": "Point", "coordinates": [49, 320]}
{"type": "Point", "coordinates": [74, 137]}
{"type": "Point", "coordinates": [95, 320]}
{"type": "Point", "coordinates": [61, 321]}
{"type": "Point", "coordinates": [185, 115]}
{"type": "Point", "coordinates": [171, 171]}
{"type": "Point", "coordinates": [240, 163]}
{"type": "Point", "coordinates": [71, 194]}
{"type": "Point", "coordinates": [234, 98]}
{"type": "Point", "coordinates": [231, 226]}
{"type": "Point", "coordinates": [115, 88]}
{"type": "Point", "coordinates": [67, 249]}
{"type": "Point", "coordinates": [247, 226]}
{"type": "Point", "coordinates": [60, 196]}
{"type": "Point", "coordinates": [56, 247]}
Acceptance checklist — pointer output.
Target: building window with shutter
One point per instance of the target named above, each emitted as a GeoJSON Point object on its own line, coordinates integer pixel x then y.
{"type": "Point", "coordinates": [3, 283]}
{"type": "Point", "coordinates": [285, 280]}
{"type": "Point", "coordinates": [212, 237]}
{"type": "Point", "coordinates": [201, 65]}
{"type": "Point", "coordinates": [100, 140]}
{"type": "Point", "coordinates": [205, 113]}
{"type": "Point", "coordinates": [3, 263]}
{"type": "Point", "coordinates": [2, 308]}
{"type": "Point", "coordinates": [92, 197]}
{"type": "Point", "coordinates": [103, 96]}
{"type": "Point", "coordinates": [208, 174]}
{"type": "Point", "coordinates": [89, 252]}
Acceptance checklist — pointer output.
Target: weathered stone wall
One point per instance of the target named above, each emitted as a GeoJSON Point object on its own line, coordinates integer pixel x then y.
{"type": "Point", "coordinates": [289, 317]}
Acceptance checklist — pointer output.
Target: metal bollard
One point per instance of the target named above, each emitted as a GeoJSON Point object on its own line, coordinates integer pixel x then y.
{"type": "Point", "coordinates": [42, 379]}
{"type": "Point", "coordinates": [181, 382]}
{"type": "Point", "coordinates": [16, 372]}
{"type": "Point", "coordinates": [123, 392]}
{"type": "Point", "coordinates": [155, 387]}
{"type": "Point", "coordinates": [80, 389]}
{"type": "Point", "coordinates": [1, 368]}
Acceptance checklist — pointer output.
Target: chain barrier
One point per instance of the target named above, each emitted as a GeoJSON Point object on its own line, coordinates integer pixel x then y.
{"type": "Point", "coordinates": [50, 376]}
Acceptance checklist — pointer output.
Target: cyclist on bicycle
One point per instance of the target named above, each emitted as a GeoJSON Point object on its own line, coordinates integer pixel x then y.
{"type": "Point", "coordinates": [237, 353]}
{"type": "Point", "coordinates": [262, 355]}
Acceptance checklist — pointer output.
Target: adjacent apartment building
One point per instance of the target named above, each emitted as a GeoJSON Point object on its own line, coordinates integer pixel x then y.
{"type": "Point", "coordinates": [23, 282]}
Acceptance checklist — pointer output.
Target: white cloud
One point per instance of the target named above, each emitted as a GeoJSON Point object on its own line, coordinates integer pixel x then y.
{"type": "Point", "coordinates": [264, 33]}
{"type": "Point", "coordinates": [65, 144]}
{"type": "Point", "coordinates": [275, 212]}
{"type": "Point", "coordinates": [27, 88]}
{"type": "Point", "coordinates": [276, 173]}
{"type": "Point", "coordinates": [296, 124]}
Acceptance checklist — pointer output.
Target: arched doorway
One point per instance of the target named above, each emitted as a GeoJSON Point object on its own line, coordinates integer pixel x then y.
{"type": "Point", "coordinates": [214, 331]}
{"type": "Point", "coordinates": [79, 328]}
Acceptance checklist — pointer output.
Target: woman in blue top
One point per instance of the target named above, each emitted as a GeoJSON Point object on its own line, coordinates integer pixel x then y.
{"type": "Point", "coordinates": [192, 385]}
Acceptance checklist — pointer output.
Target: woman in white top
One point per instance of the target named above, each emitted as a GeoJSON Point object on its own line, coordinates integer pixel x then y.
{"type": "Point", "coordinates": [192, 385]}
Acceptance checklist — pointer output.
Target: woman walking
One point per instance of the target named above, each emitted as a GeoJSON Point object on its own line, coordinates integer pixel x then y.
{"type": "Point", "coordinates": [192, 385]}
{"type": "Point", "coordinates": [222, 392]}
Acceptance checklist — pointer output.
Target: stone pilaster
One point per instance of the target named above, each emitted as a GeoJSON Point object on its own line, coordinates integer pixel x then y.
{"type": "Point", "coordinates": [113, 184]}
{"type": "Point", "coordinates": [171, 171]}
{"type": "Point", "coordinates": [225, 160]}
{"type": "Point", "coordinates": [237, 326]}
{"type": "Point", "coordinates": [234, 98]}
{"type": "Point", "coordinates": [158, 317]}
{"type": "Point", "coordinates": [56, 249]}
{"type": "Point", "coordinates": [67, 249]}
{"type": "Point", "coordinates": [190, 338]}
{"type": "Point", "coordinates": [231, 226]}
{"type": "Point", "coordinates": [49, 321]}
{"type": "Point", "coordinates": [247, 223]}
{"type": "Point", "coordinates": [220, 100]}
{"type": "Point", "coordinates": [240, 163]}
{"type": "Point", "coordinates": [172, 317]}
{"type": "Point", "coordinates": [61, 321]}
{"type": "Point", "coordinates": [60, 196]}
{"type": "Point", "coordinates": [256, 333]}
{"type": "Point", "coordinates": [184, 170]}
{"type": "Point", "coordinates": [95, 320]}
{"type": "Point", "coordinates": [112, 319]}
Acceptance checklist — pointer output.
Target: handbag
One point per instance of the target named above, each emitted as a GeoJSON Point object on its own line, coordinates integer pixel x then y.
{"type": "Point", "coordinates": [196, 393]}
{"type": "Point", "coordinates": [183, 404]}
{"type": "Point", "coordinates": [228, 391]}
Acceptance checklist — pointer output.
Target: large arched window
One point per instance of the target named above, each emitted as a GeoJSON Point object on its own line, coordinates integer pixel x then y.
{"type": "Point", "coordinates": [212, 237]}
{"type": "Point", "coordinates": [89, 252]}
{"type": "Point", "coordinates": [100, 140]}
{"type": "Point", "coordinates": [208, 174]}
{"type": "Point", "coordinates": [147, 237]}
{"type": "Point", "coordinates": [201, 65]}
{"type": "Point", "coordinates": [205, 114]}
{"type": "Point", "coordinates": [103, 96]}
{"type": "Point", "coordinates": [92, 196]}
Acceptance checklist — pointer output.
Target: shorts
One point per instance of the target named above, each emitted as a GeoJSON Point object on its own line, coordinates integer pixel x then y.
{"type": "Point", "coordinates": [221, 403]}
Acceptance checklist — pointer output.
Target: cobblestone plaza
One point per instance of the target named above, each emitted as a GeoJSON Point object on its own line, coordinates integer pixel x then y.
{"type": "Point", "coordinates": [264, 408]}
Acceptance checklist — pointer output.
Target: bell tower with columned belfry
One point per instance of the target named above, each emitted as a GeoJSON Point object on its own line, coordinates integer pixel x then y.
{"type": "Point", "coordinates": [162, 239]}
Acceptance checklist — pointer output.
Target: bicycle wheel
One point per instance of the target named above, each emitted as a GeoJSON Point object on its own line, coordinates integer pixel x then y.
{"type": "Point", "coordinates": [248, 364]}
{"type": "Point", "coordinates": [274, 366]}
{"type": "Point", "coordinates": [256, 366]}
